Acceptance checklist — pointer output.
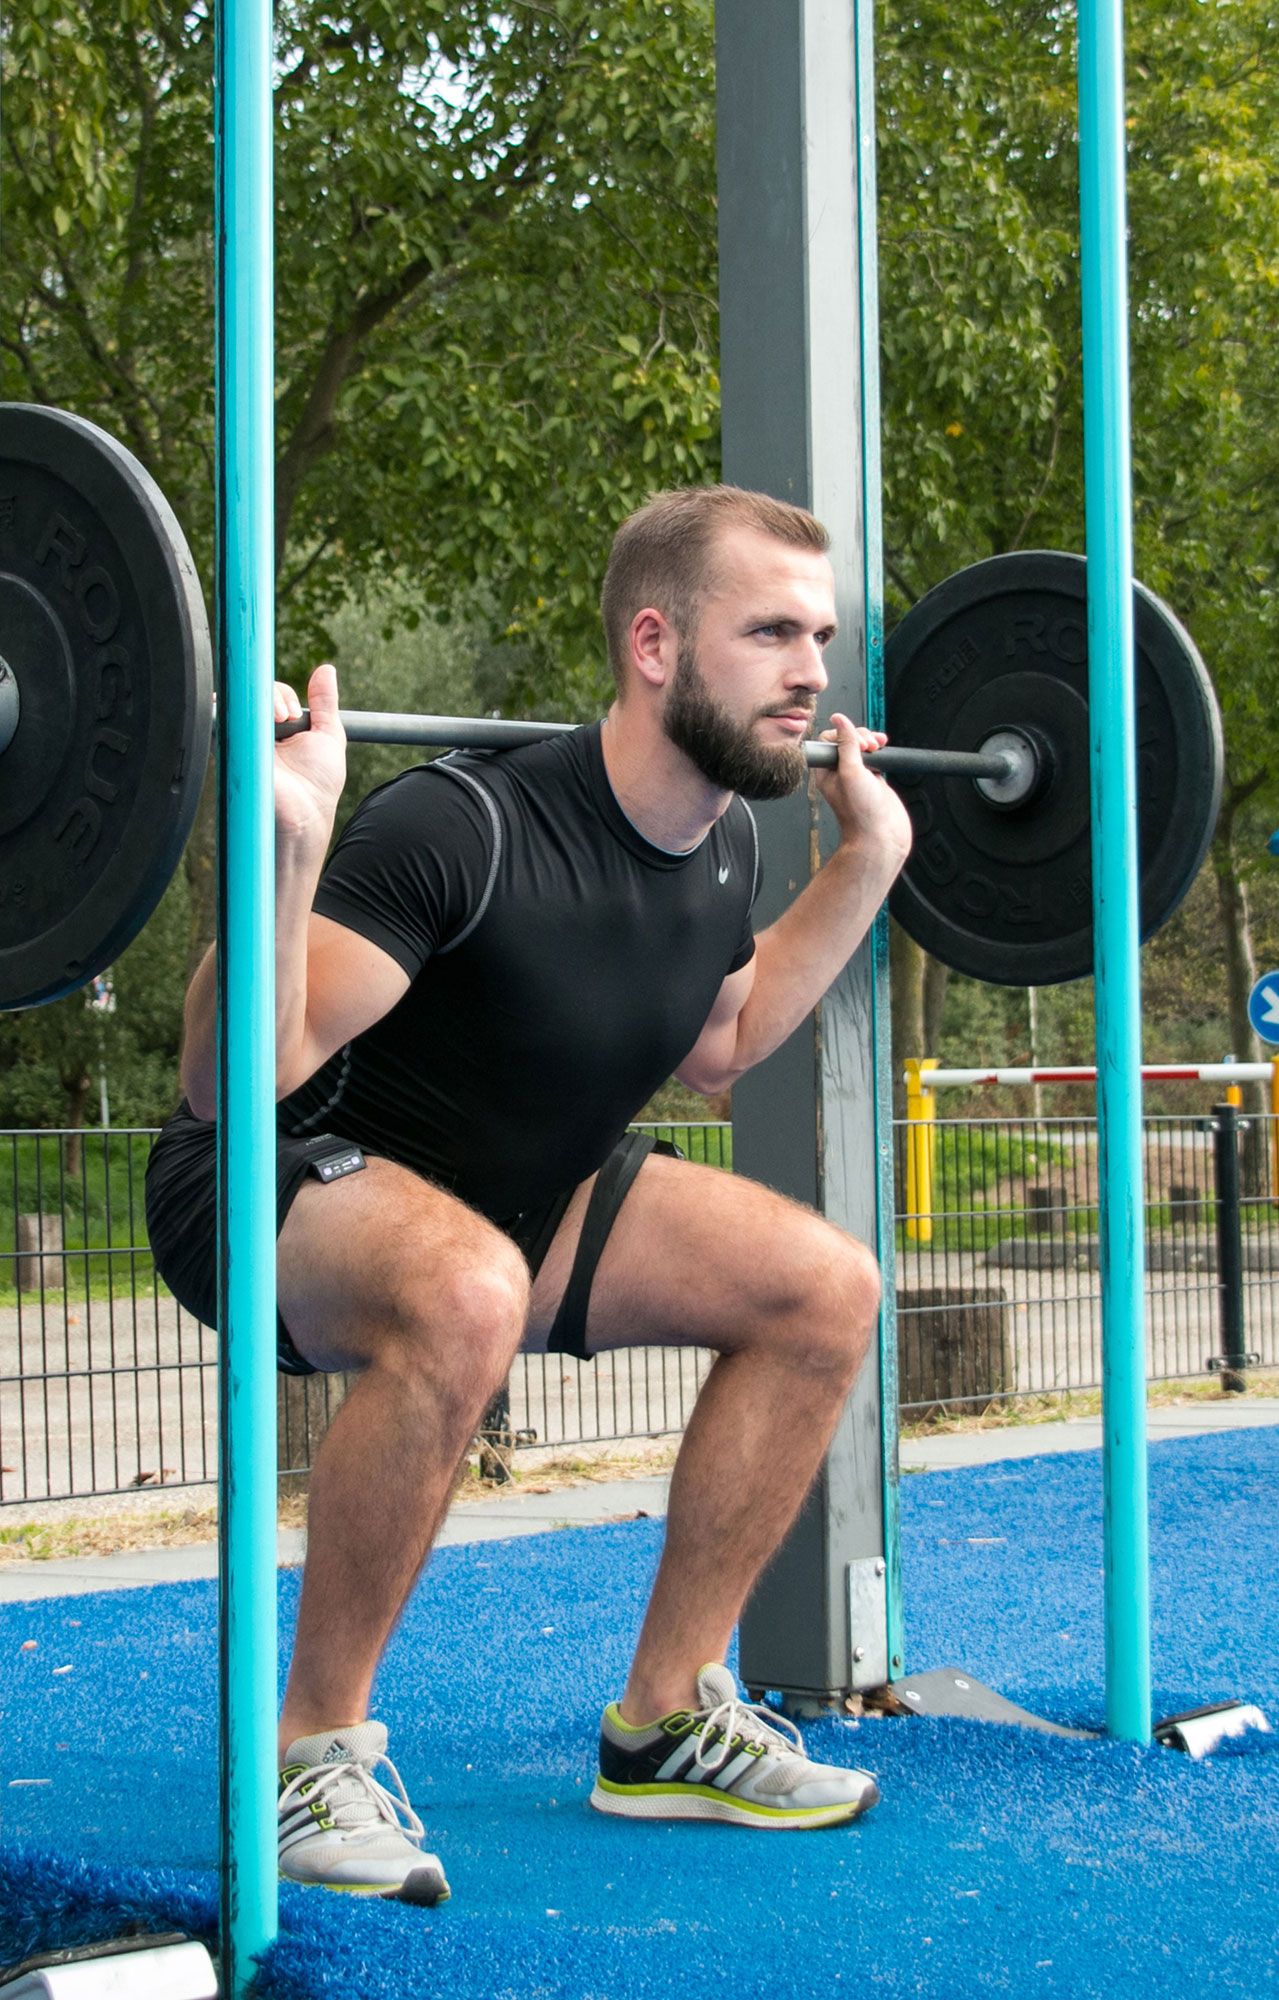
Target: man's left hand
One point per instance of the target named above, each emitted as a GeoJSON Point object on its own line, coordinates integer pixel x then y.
{"type": "Point", "coordinates": [866, 807]}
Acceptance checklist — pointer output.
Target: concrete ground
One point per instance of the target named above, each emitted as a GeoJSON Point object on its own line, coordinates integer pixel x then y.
{"type": "Point", "coordinates": [621, 1499]}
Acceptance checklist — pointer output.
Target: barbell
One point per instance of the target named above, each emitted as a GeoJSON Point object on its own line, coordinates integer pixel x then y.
{"type": "Point", "coordinates": [106, 717]}
{"type": "Point", "coordinates": [1008, 766]}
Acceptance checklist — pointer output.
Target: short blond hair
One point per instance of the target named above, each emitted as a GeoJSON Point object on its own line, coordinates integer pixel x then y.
{"type": "Point", "coordinates": [664, 555]}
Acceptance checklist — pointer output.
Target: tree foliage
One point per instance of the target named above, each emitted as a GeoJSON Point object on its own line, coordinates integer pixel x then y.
{"type": "Point", "coordinates": [983, 407]}
{"type": "Point", "coordinates": [494, 297]}
{"type": "Point", "coordinates": [980, 283]}
{"type": "Point", "coordinates": [496, 302]}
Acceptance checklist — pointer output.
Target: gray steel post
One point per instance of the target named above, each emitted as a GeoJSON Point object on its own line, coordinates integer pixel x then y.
{"type": "Point", "coordinates": [817, 1627]}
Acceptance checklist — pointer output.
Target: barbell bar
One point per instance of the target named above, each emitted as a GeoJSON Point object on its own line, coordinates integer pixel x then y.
{"type": "Point", "coordinates": [1012, 766]}
{"type": "Point", "coordinates": [106, 719]}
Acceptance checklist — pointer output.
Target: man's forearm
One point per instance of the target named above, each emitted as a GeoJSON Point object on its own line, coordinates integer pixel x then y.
{"type": "Point", "coordinates": [802, 954]}
{"type": "Point", "coordinates": [297, 873]}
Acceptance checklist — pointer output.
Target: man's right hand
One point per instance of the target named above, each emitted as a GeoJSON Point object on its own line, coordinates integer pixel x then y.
{"type": "Point", "coordinates": [310, 768]}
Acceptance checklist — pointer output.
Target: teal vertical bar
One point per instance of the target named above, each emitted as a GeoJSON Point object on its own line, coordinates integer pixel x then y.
{"type": "Point", "coordinates": [873, 587]}
{"type": "Point", "coordinates": [246, 988]}
{"type": "Point", "coordinates": [1108, 508]}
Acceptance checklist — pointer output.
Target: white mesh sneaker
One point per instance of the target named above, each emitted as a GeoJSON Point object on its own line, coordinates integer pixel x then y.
{"type": "Point", "coordinates": [728, 1760]}
{"type": "Point", "coordinates": [341, 1828]}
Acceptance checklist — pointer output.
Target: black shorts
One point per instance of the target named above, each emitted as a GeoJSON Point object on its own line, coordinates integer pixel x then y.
{"type": "Point", "coordinates": [182, 1207]}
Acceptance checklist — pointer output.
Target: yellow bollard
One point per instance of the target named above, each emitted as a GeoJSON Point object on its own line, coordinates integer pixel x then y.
{"type": "Point", "coordinates": [921, 1110]}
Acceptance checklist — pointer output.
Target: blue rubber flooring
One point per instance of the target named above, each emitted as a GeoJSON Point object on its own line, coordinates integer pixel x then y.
{"type": "Point", "coordinates": [1000, 1861]}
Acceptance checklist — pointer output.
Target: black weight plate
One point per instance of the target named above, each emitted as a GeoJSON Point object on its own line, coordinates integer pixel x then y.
{"type": "Point", "coordinates": [103, 626]}
{"type": "Point", "coordinates": [1005, 894]}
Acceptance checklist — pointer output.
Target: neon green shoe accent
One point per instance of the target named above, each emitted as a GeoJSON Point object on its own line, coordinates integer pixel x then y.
{"type": "Point", "coordinates": [684, 1791]}
{"type": "Point", "coordinates": [619, 1721]}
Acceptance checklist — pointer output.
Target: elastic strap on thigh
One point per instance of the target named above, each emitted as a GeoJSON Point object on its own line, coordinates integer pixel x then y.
{"type": "Point", "coordinates": [612, 1185]}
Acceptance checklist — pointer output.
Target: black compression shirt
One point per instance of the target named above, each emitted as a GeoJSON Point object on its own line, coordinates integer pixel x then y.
{"type": "Point", "coordinates": [561, 965]}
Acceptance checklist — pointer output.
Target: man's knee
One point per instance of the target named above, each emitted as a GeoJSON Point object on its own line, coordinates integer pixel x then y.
{"type": "Point", "coordinates": [465, 1303]}
{"type": "Point", "coordinates": [840, 1296]}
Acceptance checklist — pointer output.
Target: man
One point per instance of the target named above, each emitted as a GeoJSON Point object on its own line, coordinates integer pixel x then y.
{"type": "Point", "coordinates": [503, 958]}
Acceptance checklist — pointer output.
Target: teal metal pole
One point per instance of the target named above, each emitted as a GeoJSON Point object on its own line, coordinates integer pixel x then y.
{"type": "Point", "coordinates": [246, 988]}
{"type": "Point", "coordinates": [873, 596]}
{"type": "Point", "coordinates": [1108, 508]}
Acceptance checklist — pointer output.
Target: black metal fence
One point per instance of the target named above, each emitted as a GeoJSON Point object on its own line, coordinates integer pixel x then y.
{"type": "Point", "coordinates": [998, 1278]}
{"type": "Point", "coordinates": [107, 1385]}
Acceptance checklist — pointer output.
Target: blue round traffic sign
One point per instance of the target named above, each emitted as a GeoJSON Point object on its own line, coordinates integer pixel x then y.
{"type": "Point", "coordinates": [1263, 1007]}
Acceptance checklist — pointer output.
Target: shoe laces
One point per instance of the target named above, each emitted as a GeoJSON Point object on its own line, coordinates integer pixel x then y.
{"type": "Point", "coordinates": [374, 1803]}
{"type": "Point", "coordinates": [752, 1723]}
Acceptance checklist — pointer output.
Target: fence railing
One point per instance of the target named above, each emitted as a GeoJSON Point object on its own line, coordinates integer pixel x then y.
{"type": "Point", "coordinates": [998, 1280]}
{"type": "Point", "coordinates": [106, 1384]}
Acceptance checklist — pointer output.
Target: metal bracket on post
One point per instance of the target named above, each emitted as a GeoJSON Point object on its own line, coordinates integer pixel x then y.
{"type": "Point", "coordinates": [868, 1622]}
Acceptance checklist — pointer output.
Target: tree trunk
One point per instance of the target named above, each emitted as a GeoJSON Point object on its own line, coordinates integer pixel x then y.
{"type": "Point", "coordinates": [200, 863]}
{"type": "Point", "coordinates": [76, 1089]}
{"type": "Point", "coordinates": [936, 981]}
{"type": "Point", "coordinates": [906, 978]}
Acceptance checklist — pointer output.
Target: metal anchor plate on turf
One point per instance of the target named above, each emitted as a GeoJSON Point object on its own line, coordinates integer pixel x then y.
{"type": "Point", "coordinates": [950, 1691]}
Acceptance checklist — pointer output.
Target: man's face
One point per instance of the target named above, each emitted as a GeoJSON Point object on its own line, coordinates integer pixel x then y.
{"type": "Point", "coordinates": [745, 688]}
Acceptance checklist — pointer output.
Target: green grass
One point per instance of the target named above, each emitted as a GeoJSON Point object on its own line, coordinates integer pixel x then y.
{"type": "Point", "coordinates": [101, 1205]}
{"type": "Point", "coordinates": [970, 1163]}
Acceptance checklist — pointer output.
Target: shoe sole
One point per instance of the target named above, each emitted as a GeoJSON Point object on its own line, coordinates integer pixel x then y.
{"type": "Point", "coordinates": [702, 1802]}
{"type": "Point", "coordinates": [423, 1889]}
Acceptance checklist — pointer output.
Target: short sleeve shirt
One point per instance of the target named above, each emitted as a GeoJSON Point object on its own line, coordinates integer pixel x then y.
{"type": "Point", "coordinates": [561, 967]}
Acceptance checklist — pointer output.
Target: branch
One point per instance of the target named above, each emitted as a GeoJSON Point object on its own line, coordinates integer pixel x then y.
{"type": "Point", "coordinates": [119, 384]}
{"type": "Point", "coordinates": [22, 355]}
{"type": "Point", "coordinates": [307, 61]}
{"type": "Point", "coordinates": [135, 229]}
{"type": "Point", "coordinates": [896, 574]}
{"type": "Point", "coordinates": [290, 583]}
{"type": "Point", "coordinates": [1037, 499]}
{"type": "Point", "coordinates": [1238, 794]}
{"type": "Point", "coordinates": [313, 433]}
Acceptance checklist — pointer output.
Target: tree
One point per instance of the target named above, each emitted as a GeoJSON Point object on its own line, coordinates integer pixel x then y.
{"type": "Point", "coordinates": [983, 419]}
{"type": "Point", "coordinates": [54, 1058]}
{"type": "Point", "coordinates": [495, 314]}
{"type": "Point", "coordinates": [495, 305]}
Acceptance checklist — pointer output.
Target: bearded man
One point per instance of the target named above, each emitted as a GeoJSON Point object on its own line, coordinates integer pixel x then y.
{"type": "Point", "coordinates": [504, 956]}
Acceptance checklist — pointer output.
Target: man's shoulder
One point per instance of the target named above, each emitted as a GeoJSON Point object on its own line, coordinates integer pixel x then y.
{"type": "Point", "coordinates": [417, 806]}
{"type": "Point", "coordinates": [557, 771]}
{"type": "Point", "coordinates": [416, 791]}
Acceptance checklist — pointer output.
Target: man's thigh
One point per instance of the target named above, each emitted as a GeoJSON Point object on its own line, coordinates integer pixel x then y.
{"type": "Point", "coordinates": [699, 1257]}
{"type": "Point", "coordinates": [361, 1258]}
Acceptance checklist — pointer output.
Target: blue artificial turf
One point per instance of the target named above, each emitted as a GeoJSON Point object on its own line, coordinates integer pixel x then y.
{"type": "Point", "coordinates": [1000, 1861]}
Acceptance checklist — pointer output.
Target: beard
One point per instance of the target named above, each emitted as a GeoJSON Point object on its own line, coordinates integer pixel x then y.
{"type": "Point", "coordinates": [723, 749]}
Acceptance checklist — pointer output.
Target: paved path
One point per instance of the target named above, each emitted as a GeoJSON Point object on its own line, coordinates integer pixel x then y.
{"type": "Point", "coordinates": [619, 1500]}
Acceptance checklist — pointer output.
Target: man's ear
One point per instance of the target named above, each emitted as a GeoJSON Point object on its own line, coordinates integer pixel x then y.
{"type": "Point", "coordinates": [654, 647]}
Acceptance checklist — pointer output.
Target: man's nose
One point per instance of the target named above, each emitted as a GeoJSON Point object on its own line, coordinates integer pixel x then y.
{"type": "Point", "coordinates": [807, 669]}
